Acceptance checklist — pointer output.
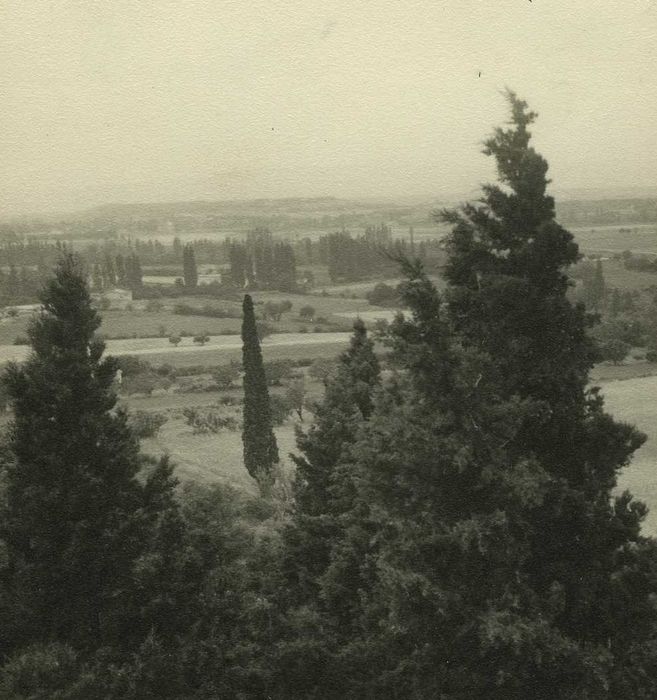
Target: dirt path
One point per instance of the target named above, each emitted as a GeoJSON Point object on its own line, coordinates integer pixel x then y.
{"type": "Point", "coordinates": [154, 346]}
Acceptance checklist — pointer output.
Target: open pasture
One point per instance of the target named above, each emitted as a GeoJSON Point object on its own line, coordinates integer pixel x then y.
{"type": "Point", "coordinates": [617, 276]}
{"type": "Point", "coordinates": [616, 239]}
{"type": "Point", "coordinates": [634, 401]}
{"type": "Point", "coordinates": [208, 458]}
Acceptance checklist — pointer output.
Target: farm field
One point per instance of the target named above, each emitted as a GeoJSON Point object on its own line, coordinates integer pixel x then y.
{"type": "Point", "coordinates": [125, 319]}
{"type": "Point", "coordinates": [635, 401]}
{"type": "Point", "coordinates": [160, 347]}
{"type": "Point", "coordinates": [617, 276]}
{"type": "Point", "coordinates": [211, 458]}
{"type": "Point", "coordinates": [611, 239]}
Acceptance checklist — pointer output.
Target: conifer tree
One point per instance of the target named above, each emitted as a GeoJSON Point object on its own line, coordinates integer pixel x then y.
{"type": "Point", "coordinates": [596, 291]}
{"type": "Point", "coordinates": [485, 554]}
{"type": "Point", "coordinates": [77, 518]}
{"type": "Point", "coordinates": [507, 270]}
{"type": "Point", "coordinates": [260, 448]}
{"type": "Point", "coordinates": [190, 272]}
{"type": "Point", "coordinates": [97, 278]}
{"type": "Point", "coordinates": [121, 272]}
{"type": "Point", "coordinates": [322, 490]}
{"type": "Point", "coordinates": [109, 273]}
{"type": "Point", "coordinates": [133, 274]}
{"type": "Point", "coordinates": [436, 552]}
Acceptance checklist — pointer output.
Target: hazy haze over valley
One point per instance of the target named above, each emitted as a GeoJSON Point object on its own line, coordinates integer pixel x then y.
{"type": "Point", "coordinates": [162, 101]}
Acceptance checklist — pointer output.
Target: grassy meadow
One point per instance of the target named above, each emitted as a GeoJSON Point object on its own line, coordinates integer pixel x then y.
{"type": "Point", "coordinates": [633, 401]}
{"type": "Point", "coordinates": [616, 239]}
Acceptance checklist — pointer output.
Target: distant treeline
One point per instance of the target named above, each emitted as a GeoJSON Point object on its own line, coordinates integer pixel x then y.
{"type": "Point", "coordinates": [607, 212]}
{"type": "Point", "coordinates": [259, 262]}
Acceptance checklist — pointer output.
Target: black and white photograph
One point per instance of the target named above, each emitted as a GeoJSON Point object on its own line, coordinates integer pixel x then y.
{"type": "Point", "coordinates": [328, 350]}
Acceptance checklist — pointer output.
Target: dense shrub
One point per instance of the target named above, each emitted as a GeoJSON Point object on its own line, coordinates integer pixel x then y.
{"type": "Point", "coordinates": [322, 369]}
{"type": "Point", "coordinates": [614, 350]}
{"type": "Point", "coordinates": [280, 408]}
{"type": "Point", "coordinates": [131, 365]}
{"type": "Point", "coordinates": [208, 420]}
{"type": "Point", "coordinates": [140, 384]}
{"type": "Point", "coordinates": [207, 310]}
{"type": "Point", "coordinates": [383, 295]}
{"type": "Point", "coordinates": [147, 424]}
{"type": "Point", "coordinates": [226, 375]}
{"type": "Point", "coordinates": [278, 370]}
{"type": "Point", "coordinates": [274, 310]}
{"type": "Point", "coordinates": [154, 305]}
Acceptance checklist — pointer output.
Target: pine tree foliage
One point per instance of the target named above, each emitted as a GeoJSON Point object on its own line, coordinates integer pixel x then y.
{"type": "Point", "coordinates": [78, 519]}
{"type": "Point", "coordinates": [485, 553]}
{"type": "Point", "coordinates": [260, 448]}
{"type": "Point", "coordinates": [323, 491]}
{"type": "Point", "coordinates": [507, 269]}
{"type": "Point", "coordinates": [348, 400]}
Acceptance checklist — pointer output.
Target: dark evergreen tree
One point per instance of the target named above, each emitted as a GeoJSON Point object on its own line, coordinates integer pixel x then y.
{"type": "Point", "coordinates": [615, 303]}
{"type": "Point", "coordinates": [133, 274]}
{"type": "Point", "coordinates": [121, 273]}
{"type": "Point", "coordinates": [260, 449]}
{"type": "Point", "coordinates": [425, 591]}
{"type": "Point", "coordinates": [322, 491]}
{"type": "Point", "coordinates": [190, 273]}
{"type": "Point", "coordinates": [598, 289]}
{"type": "Point", "coordinates": [507, 270]}
{"type": "Point", "coordinates": [176, 250]}
{"type": "Point", "coordinates": [238, 265]}
{"type": "Point", "coordinates": [13, 285]}
{"type": "Point", "coordinates": [109, 272]}
{"type": "Point", "coordinates": [97, 278]}
{"type": "Point", "coordinates": [78, 520]}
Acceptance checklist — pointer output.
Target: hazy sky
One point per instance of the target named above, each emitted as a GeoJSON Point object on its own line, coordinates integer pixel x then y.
{"type": "Point", "coordinates": [151, 100]}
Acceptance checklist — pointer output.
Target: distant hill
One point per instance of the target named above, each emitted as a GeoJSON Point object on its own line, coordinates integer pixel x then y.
{"type": "Point", "coordinates": [304, 216]}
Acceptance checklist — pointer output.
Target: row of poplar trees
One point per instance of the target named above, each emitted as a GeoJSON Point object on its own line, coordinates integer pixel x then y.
{"type": "Point", "coordinates": [455, 531]}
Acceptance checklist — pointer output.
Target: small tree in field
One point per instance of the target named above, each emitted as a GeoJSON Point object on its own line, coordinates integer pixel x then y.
{"type": "Point", "coordinates": [226, 375]}
{"type": "Point", "coordinates": [307, 313]}
{"type": "Point", "coordinates": [201, 339]}
{"type": "Point", "coordinates": [296, 396]}
{"type": "Point", "coordinates": [175, 340]}
{"type": "Point", "coordinates": [614, 350]}
{"type": "Point", "coordinates": [190, 272]}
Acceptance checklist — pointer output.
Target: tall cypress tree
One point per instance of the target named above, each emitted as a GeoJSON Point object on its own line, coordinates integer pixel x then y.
{"type": "Point", "coordinates": [190, 272]}
{"type": "Point", "coordinates": [260, 449]}
{"type": "Point", "coordinates": [77, 516]}
{"type": "Point", "coordinates": [133, 274]}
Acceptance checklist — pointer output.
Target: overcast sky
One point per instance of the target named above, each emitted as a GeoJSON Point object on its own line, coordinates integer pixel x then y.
{"type": "Point", "coordinates": [151, 100]}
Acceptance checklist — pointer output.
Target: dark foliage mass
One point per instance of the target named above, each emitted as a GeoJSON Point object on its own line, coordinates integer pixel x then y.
{"type": "Point", "coordinates": [260, 449]}
{"type": "Point", "coordinates": [260, 263]}
{"type": "Point", "coordinates": [452, 529]}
